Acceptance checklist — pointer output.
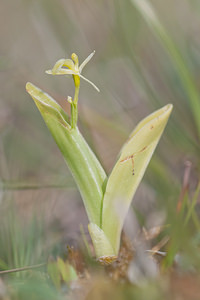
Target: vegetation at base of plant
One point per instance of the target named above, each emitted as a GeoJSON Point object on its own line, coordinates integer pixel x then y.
{"type": "Point", "coordinates": [106, 199]}
{"type": "Point", "coordinates": [175, 247]}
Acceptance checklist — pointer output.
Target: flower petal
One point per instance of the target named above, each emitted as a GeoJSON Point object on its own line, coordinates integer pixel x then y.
{"type": "Point", "coordinates": [96, 88]}
{"type": "Point", "coordinates": [86, 61]}
{"type": "Point", "coordinates": [61, 72]}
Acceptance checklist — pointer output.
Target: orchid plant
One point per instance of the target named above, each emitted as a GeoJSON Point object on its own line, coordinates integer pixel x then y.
{"type": "Point", "coordinates": [106, 198]}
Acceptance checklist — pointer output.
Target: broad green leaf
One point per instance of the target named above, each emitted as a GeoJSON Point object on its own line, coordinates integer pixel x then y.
{"type": "Point", "coordinates": [83, 164]}
{"type": "Point", "coordinates": [128, 172]}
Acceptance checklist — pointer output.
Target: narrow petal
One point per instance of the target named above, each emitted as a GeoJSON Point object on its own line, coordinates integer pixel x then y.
{"type": "Point", "coordinates": [96, 88]}
{"type": "Point", "coordinates": [69, 64]}
{"type": "Point", "coordinates": [56, 70]}
{"type": "Point", "coordinates": [86, 61]}
{"type": "Point", "coordinates": [61, 72]}
{"type": "Point", "coordinates": [58, 65]}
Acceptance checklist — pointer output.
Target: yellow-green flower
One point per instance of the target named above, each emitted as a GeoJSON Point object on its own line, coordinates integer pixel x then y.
{"type": "Point", "coordinates": [71, 67]}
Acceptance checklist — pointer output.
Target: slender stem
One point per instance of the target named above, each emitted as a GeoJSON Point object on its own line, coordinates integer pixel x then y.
{"type": "Point", "coordinates": [77, 87]}
{"type": "Point", "coordinates": [74, 109]}
{"type": "Point", "coordinates": [73, 113]}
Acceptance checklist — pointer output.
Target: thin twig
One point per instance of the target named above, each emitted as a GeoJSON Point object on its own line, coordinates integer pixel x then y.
{"type": "Point", "coordinates": [162, 243]}
{"type": "Point", "coordinates": [22, 269]}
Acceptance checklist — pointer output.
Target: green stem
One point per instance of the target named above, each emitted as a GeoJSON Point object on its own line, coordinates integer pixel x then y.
{"type": "Point", "coordinates": [74, 115]}
{"type": "Point", "coordinates": [74, 109]}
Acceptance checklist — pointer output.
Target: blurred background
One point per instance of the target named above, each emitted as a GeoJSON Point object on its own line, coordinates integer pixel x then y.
{"type": "Point", "coordinates": [145, 58]}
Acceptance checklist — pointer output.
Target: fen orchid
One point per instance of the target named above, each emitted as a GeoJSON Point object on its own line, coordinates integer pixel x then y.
{"type": "Point", "coordinates": [106, 198]}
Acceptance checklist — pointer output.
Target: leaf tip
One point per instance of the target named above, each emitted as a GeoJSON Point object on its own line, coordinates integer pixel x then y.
{"type": "Point", "coordinates": [168, 108]}
{"type": "Point", "coordinates": [29, 87]}
{"type": "Point", "coordinates": [28, 84]}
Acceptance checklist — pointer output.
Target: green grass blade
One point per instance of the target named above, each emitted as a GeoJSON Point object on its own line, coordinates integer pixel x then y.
{"type": "Point", "coordinates": [191, 208]}
{"type": "Point", "coordinates": [128, 172]}
{"type": "Point", "coordinates": [148, 13]}
{"type": "Point", "coordinates": [83, 164]}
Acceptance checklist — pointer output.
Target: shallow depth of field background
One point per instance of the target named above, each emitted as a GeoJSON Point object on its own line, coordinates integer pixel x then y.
{"type": "Point", "coordinates": [136, 75]}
